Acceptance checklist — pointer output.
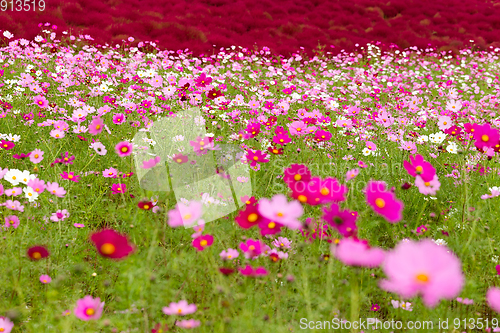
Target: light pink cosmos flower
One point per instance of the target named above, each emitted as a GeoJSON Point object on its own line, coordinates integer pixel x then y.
{"type": "Point", "coordinates": [89, 308]}
{"type": "Point", "coordinates": [45, 279]}
{"type": "Point", "coordinates": [151, 163]}
{"type": "Point", "coordinates": [12, 192]}
{"type": "Point", "coordinates": [403, 305]}
{"type": "Point", "coordinates": [279, 210]}
{"type": "Point", "coordinates": [353, 252]}
{"type": "Point", "coordinates": [298, 128]}
{"type": "Point", "coordinates": [3, 172]}
{"type": "Point", "coordinates": [185, 214]}
{"type": "Point", "coordinates": [96, 126]}
{"type": "Point", "coordinates": [351, 174]}
{"type": "Point", "coordinates": [99, 148]}
{"type": "Point", "coordinates": [60, 215]}
{"type": "Point", "coordinates": [444, 122]}
{"type": "Point", "coordinates": [110, 173]}
{"type": "Point", "coordinates": [57, 134]}
{"type": "Point", "coordinates": [11, 221]}
{"type": "Point", "coordinates": [493, 298]}
{"type": "Point", "coordinates": [41, 101]}
{"type": "Point", "coordinates": [423, 268]}
{"type": "Point", "coordinates": [124, 148]}
{"type": "Point", "coordinates": [427, 188]}
{"type": "Point", "coordinates": [6, 325]}
{"type": "Point", "coordinates": [229, 254]}
{"type": "Point", "coordinates": [371, 146]}
{"type": "Point", "coordinates": [37, 185]}
{"type": "Point", "coordinates": [282, 243]}
{"type": "Point", "coordinates": [36, 156]}
{"type": "Point", "coordinates": [14, 205]}
{"type": "Point", "coordinates": [55, 189]}
{"type": "Point", "coordinates": [189, 323]}
{"type": "Point", "coordinates": [179, 309]}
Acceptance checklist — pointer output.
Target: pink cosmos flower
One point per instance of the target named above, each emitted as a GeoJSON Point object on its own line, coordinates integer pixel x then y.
{"type": "Point", "coordinates": [151, 163]}
{"type": "Point", "coordinates": [252, 248]}
{"type": "Point", "coordinates": [12, 192]}
{"type": "Point", "coordinates": [119, 118]}
{"type": "Point", "coordinates": [37, 185]}
{"type": "Point", "coordinates": [344, 221]}
{"type": "Point", "coordinates": [384, 202]}
{"type": "Point", "coordinates": [229, 254]}
{"type": "Point", "coordinates": [119, 188]}
{"type": "Point", "coordinates": [371, 146]}
{"type": "Point", "coordinates": [78, 225]}
{"type": "Point", "coordinates": [57, 134]}
{"type": "Point", "coordinates": [179, 309]}
{"type": "Point", "coordinates": [493, 298]}
{"type": "Point", "coordinates": [278, 209]}
{"type": "Point", "coordinates": [253, 272]}
{"type": "Point", "coordinates": [444, 122]}
{"type": "Point", "coordinates": [99, 148]}
{"type": "Point", "coordinates": [202, 242]}
{"type": "Point", "coordinates": [56, 190]}
{"type": "Point", "coordinates": [36, 156]}
{"type": "Point", "coordinates": [189, 323]}
{"type": "Point", "coordinates": [60, 215]}
{"type": "Point", "coordinates": [14, 205]}
{"type": "Point", "coordinates": [11, 221]}
{"type": "Point", "coordinates": [41, 101]}
{"type": "Point", "coordinates": [7, 145]}
{"type": "Point", "coordinates": [282, 242]}
{"type": "Point", "coordinates": [427, 188]}
{"type": "Point", "coordinates": [6, 325]}
{"type": "Point", "coordinates": [354, 252]}
{"type": "Point", "coordinates": [298, 128]}
{"type": "Point", "coordinates": [89, 308]}
{"type": "Point", "coordinates": [185, 215]}
{"type": "Point", "coordinates": [351, 174]}
{"type": "Point", "coordinates": [124, 148]}
{"type": "Point", "coordinates": [423, 268]}
{"type": "Point", "coordinates": [96, 126]}
{"type": "Point", "coordinates": [110, 173]}
{"type": "Point", "coordinates": [45, 279]}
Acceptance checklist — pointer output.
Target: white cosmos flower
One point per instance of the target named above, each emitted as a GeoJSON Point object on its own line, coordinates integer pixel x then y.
{"type": "Point", "coordinates": [13, 176]}
{"type": "Point", "coordinates": [30, 194]}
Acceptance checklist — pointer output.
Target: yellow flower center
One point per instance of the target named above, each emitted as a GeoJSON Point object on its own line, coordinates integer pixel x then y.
{"type": "Point", "coordinates": [380, 203]}
{"type": "Point", "coordinates": [255, 158]}
{"type": "Point", "coordinates": [98, 127]}
{"type": "Point", "coordinates": [271, 225]}
{"type": "Point", "coordinates": [419, 169]}
{"type": "Point", "coordinates": [179, 311]}
{"type": "Point", "coordinates": [36, 155]}
{"type": "Point", "coordinates": [324, 191]}
{"type": "Point", "coordinates": [302, 198]}
{"type": "Point", "coordinates": [124, 149]}
{"type": "Point", "coordinates": [187, 216]}
{"type": "Point", "coordinates": [108, 249]}
{"type": "Point", "coordinates": [427, 184]}
{"type": "Point", "coordinates": [279, 214]}
{"type": "Point", "coordinates": [275, 151]}
{"type": "Point", "coordinates": [422, 278]}
{"type": "Point", "coordinates": [485, 138]}
{"type": "Point", "coordinates": [252, 217]}
{"type": "Point", "coordinates": [36, 255]}
{"type": "Point", "coordinates": [179, 160]}
{"type": "Point", "coordinates": [251, 247]}
{"type": "Point", "coordinates": [146, 207]}
{"type": "Point", "coordinates": [297, 177]}
{"type": "Point", "coordinates": [89, 312]}
{"type": "Point", "coordinates": [70, 176]}
{"type": "Point", "coordinates": [13, 177]}
{"type": "Point", "coordinates": [203, 243]}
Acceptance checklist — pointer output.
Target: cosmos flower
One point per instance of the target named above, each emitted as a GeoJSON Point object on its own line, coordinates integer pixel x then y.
{"type": "Point", "coordinates": [124, 148]}
{"type": "Point", "coordinates": [202, 242]}
{"type": "Point", "coordinates": [253, 272]}
{"type": "Point", "coordinates": [89, 308]}
{"type": "Point", "coordinates": [181, 308]}
{"type": "Point", "coordinates": [354, 252]}
{"type": "Point", "coordinates": [435, 272]}
{"type": "Point", "coordinates": [37, 252]}
{"type": "Point", "coordinates": [384, 202]}
{"type": "Point", "coordinates": [111, 244]}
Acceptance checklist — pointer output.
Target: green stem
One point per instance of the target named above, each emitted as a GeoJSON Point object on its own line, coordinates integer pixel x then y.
{"type": "Point", "coordinates": [354, 299]}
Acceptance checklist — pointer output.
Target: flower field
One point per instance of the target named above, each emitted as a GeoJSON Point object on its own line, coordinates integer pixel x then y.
{"type": "Point", "coordinates": [147, 190]}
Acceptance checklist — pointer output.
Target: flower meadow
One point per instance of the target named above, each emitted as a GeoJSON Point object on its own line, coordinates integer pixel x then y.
{"type": "Point", "coordinates": [373, 178]}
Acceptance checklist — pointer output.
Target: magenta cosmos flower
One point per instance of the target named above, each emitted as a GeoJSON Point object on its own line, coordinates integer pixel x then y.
{"type": "Point", "coordinates": [279, 210]}
{"type": "Point", "coordinates": [124, 148]}
{"type": "Point", "coordinates": [423, 268]}
{"type": "Point", "coordinates": [493, 298]}
{"type": "Point", "coordinates": [253, 272]}
{"type": "Point", "coordinates": [70, 176]}
{"type": "Point", "coordinates": [111, 244]}
{"type": "Point", "coordinates": [118, 188]}
{"type": "Point", "coordinates": [384, 202]}
{"type": "Point", "coordinates": [202, 242]}
{"type": "Point", "coordinates": [485, 136]}
{"type": "Point", "coordinates": [89, 308]}
{"type": "Point", "coordinates": [179, 309]}
{"type": "Point", "coordinates": [420, 167]}
{"type": "Point", "coordinates": [354, 252]}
